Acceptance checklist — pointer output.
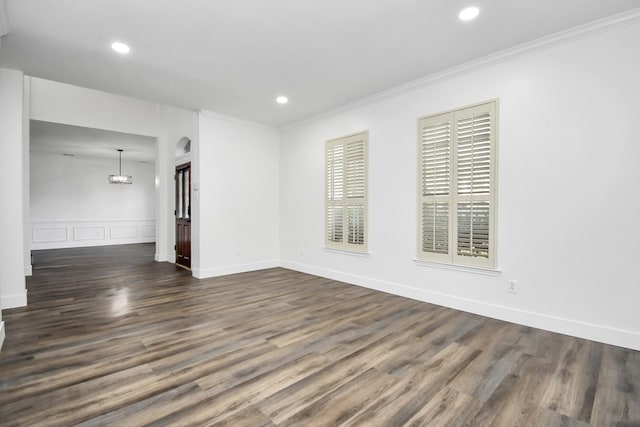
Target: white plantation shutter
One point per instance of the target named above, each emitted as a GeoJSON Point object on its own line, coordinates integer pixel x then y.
{"type": "Point", "coordinates": [474, 128]}
{"type": "Point", "coordinates": [355, 189]}
{"type": "Point", "coordinates": [473, 229]}
{"type": "Point", "coordinates": [474, 154]}
{"type": "Point", "coordinates": [435, 222]}
{"type": "Point", "coordinates": [355, 219]}
{"type": "Point", "coordinates": [435, 176]}
{"type": "Point", "coordinates": [334, 224]}
{"type": "Point", "coordinates": [335, 190]}
{"type": "Point", "coordinates": [346, 184]}
{"type": "Point", "coordinates": [355, 170]}
{"type": "Point", "coordinates": [457, 170]}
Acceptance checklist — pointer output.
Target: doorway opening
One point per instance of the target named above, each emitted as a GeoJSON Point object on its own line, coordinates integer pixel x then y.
{"type": "Point", "coordinates": [183, 215]}
{"type": "Point", "coordinates": [72, 203]}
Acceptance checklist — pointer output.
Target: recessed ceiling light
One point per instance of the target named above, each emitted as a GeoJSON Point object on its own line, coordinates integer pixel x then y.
{"type": "Point", "coordinates": [282, 100]}
{"type": "Point", "coordinates": [469, 13]}
{"type": "Point", "coordinates": [120, 47]}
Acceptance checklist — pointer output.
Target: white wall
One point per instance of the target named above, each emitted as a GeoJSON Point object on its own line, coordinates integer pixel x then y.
{"type": "Point", "coordinates": [73, 105]}
{"type": "Point", "coordinates": [3, 31]}
{"type": "Point", "coordinates": [237, 180]}
{"type": "Point", "coordinates": [73, 204]}
{"type": "Point", "coordinates": [26, 208]}
{"type": "Point", "coordinates": [12, 282]}
{"type": "Point", "coordinates": [174, 124]}
{"type": "Point", "coordinates": [568, 176]}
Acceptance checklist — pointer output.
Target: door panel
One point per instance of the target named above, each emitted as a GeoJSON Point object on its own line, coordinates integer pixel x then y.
{"type": "Point", "coordinates": [183, 215]}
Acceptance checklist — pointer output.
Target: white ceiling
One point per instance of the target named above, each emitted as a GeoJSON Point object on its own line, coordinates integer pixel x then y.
{"type": "Point", "coordinates": [235, 56]}
{"type": "Point", "coordinates": [85, 142]}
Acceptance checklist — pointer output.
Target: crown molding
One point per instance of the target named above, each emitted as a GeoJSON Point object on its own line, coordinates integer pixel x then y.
{"type": "Point", "coordinates": [237, 120]}
{"type": "Point", "coordinates": [576, 33]}
{"type": "Point", "coordinates": [4, 19]}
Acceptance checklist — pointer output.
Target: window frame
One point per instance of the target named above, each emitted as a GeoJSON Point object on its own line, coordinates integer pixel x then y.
{"type": "Point", "coordinates": [345, 202]}
{"type": "Point", "coordinates": [453, 198]}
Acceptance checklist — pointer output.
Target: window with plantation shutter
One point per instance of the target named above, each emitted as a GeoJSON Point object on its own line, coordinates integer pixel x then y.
{"type": "Point", "coordinates": [346, 192]}
{"type": "Point", "coordinates": [457, 186]}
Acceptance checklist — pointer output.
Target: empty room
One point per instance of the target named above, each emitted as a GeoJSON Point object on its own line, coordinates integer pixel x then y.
{"type": "Point", "coordinates": [301, 213]}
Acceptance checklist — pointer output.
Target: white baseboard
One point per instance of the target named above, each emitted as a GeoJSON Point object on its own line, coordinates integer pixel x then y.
{"type": "Point", "coordinates": [1, 333]}
{"type": "Point", "coordinates": [203, 273]}
{"type": "Point", "coordinates": [590, 331]}
{"type": "Point", "coordinates": [13, 301]}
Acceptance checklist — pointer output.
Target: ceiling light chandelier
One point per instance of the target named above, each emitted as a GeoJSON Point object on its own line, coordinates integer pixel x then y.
{"type": "Point", "coordinates": [120, 179]}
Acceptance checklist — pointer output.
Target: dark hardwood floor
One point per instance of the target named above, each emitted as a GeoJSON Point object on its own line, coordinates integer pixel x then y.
{"type": "Point", "coordinates": [111, 337]}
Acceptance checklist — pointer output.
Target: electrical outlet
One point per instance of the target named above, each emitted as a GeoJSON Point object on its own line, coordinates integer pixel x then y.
{"type": "Point", "coordinates": [301, 252]}
{"type": "Point", "coordinates": [238, 252]}
{"type": "Point", "coordinates": [512, 287]}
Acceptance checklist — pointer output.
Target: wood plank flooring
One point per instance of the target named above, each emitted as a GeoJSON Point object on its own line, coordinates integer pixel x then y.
{"type": "Point", "coordinates": [111, 337]}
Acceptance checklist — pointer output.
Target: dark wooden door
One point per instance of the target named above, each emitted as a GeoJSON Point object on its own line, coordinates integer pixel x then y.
{"type": "Point", "coordinates": [183, 215]}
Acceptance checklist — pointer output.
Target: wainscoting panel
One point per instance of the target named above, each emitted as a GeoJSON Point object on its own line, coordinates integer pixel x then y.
{"type": "Point", "coordinates": [89, 233]}
{"type": "Point", "coordinates": [48, 235]}
{"type": "Point", "coordinates": [71, 234]}
{"type": "Point", "coordinates": [124, 231]}
{"type": "Point", "coordinates": [149, 230]}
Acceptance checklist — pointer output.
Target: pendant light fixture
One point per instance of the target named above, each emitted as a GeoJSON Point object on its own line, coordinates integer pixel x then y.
{"type": "Point", "coordinates": [120, 179]}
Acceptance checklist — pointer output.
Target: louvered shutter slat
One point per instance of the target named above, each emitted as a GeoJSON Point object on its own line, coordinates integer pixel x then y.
{"type": "Point", "coordinates": [335, 172]}
{"type": "Point", "coordinates": [355, 169]}
{"type": "Point", "coordinates": [435, 154]}
{"type": "Point", "coordinates": [356, 225]}
{"type": "Point", "coordinates": [435, 226]}
{"type": "Point", "coordinates": [473, 229]}
{"type": "Point", "coordinates": [474, 155]}
{"type": "Point", "coordinates": [334, 224]}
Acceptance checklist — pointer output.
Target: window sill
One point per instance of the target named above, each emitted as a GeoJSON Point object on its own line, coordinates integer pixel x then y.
{"type": "Point", "coordinates": [456, 267]}
{"type": "Point", "coordinates": [347, 252]}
